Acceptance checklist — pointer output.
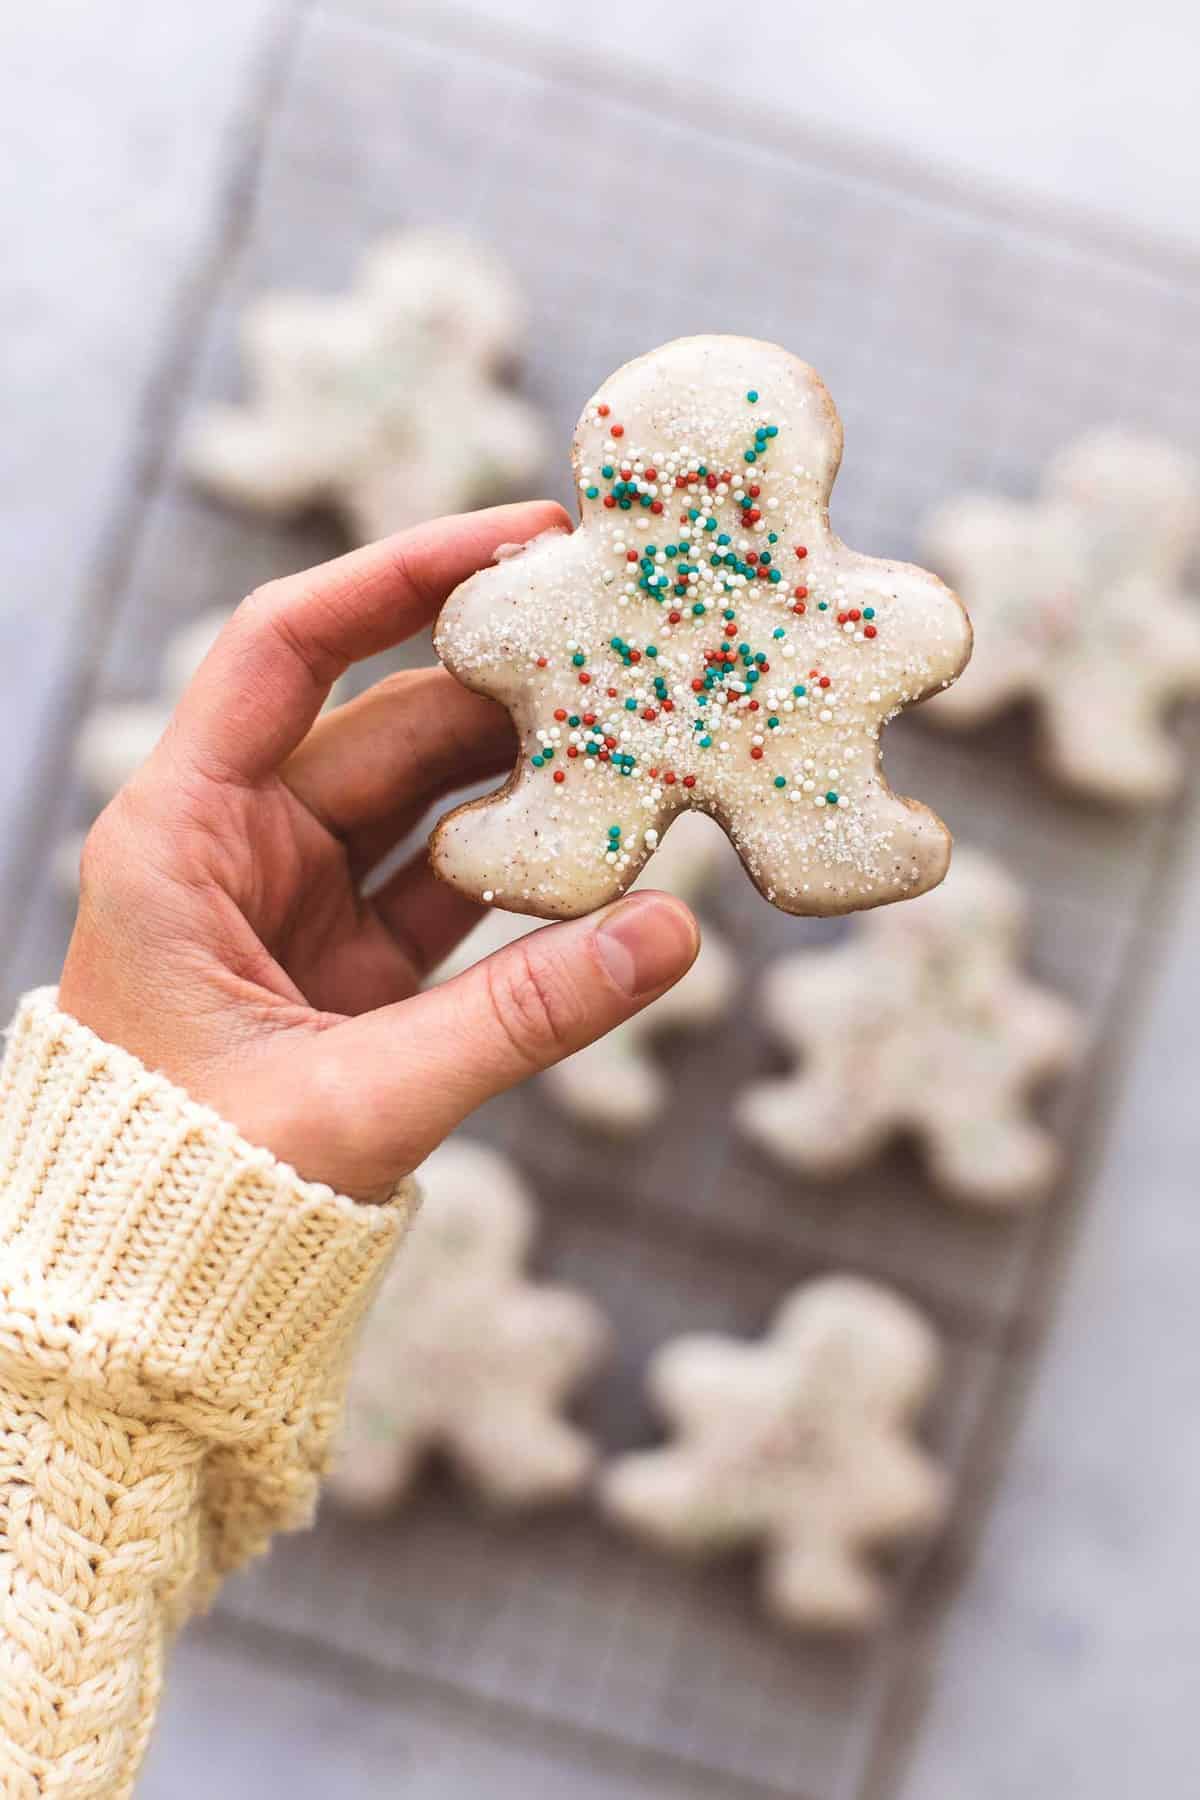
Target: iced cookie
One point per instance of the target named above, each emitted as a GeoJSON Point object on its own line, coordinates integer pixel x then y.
{"type": "Point", "coordinates": [703, 640]}
{"type": "Point", "coordinates": [462, 1353]}
{"type": "Point", "coordinates": [801, 1444]}
{"type": "Point", "coordinates": [385, 403]}
{"type": "Point", "coordinates": [615, 1085]}
{"type": "Point", "coordinates": [922, 1022]}
{"type": "Point", "coordinates": [1077, 604]}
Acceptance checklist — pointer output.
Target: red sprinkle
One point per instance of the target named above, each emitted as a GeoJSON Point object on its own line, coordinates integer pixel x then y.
{"type": "Point", "coordinates": [801, 593]}
{"type": "Point", "coordinates": [609, 501]}
{"type": "Point", "coordinates": [697, 686]}
{"type": "Point", "coordinates": [752, 556]}
{"type": "Point", "coordinates": [559, 775]}
{"type": "Point", "coordinates": [651, 474]}
{"type": "Point", "coordinates": [669, 778]}
{"type": "Point", "coordinates": [868, 631]}
{"type": "Point", "coordinates": [689, 781]}
{"type": "Point", "coordinates": [656, 506]}
{"type": "Point", "coordinates": [589, 718]}
{"type": "Point", "coordinates": [649, 713]}
{"type": "Point", "coordinates": [854, 614]}
{"type": "Point", "coordinates": [754, 490]}
{"type": "Point", "coordinates": [560, 713]}
{"type": "Point", "coordinates": [674, 617]}
{"type": "Point", "coordinates": [618, 431]}
{"type": "Point", "coordinates": [584, 677]}
{"type": "Point", "coordinates": [801, 551]}
{"type": "Point", "coordinates": [756, 753]}
{"type": "Point", "coordinates": [824, 681]}
{"type": "Point", "coordinates": [603, 411]}
{"type": "Point", "coordinates": [799, 607]}
{"type": "Point", "coordinates": [541, 662]}
{"type": "Point", "coordinates": [611, 692]}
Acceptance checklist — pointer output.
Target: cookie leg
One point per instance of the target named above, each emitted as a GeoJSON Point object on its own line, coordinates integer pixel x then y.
{"type": "Point", "coordinates": [372, 1473]}
{"type": "Point", "coordinates": [1004, 1161]}
{"type": "Point", "coordinates": [807, 1125]}
{"type": "Point", "coordinates": [526, 852]}
{"type": "Point", "coordinates": [663, 1498]}
{"type": "Point", "coordinates": [820, 1586]}
{"type": "Point", "coordinates": [812, 860]}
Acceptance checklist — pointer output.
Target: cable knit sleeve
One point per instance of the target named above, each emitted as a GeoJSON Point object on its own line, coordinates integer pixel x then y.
{"type": "Point", "coordinates": [176, 1310]}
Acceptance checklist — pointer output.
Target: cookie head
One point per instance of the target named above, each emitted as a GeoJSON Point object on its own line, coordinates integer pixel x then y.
{"type": "Point", "coordinates": [704, 641]}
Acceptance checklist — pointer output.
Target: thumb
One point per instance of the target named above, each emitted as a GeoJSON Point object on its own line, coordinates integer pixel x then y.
{"type": "Point", "coordinates": [445, 1051]}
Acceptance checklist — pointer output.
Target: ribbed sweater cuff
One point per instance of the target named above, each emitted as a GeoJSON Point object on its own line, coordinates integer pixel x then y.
{"type": "Point", "coordinates": [145, 1246]}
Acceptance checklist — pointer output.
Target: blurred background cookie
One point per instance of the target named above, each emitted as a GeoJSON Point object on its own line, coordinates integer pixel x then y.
{"type": "Point", "coordinates": [1078, 605]}
{"type": "Point", "coordinates": [464, 1354]}
{"type": "Point", "coordinates": [386, 404]}
{"type": "Point", "coordinates": [801, 1445]}
{"type": "Point", "coordinates": [920, 1022]}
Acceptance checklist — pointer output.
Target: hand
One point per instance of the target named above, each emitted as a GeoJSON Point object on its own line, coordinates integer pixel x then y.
{"type": "Point", "coordinates": [223, 936]}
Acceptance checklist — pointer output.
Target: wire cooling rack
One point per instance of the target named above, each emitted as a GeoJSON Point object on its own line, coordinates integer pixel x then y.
{"type": "Point", "coordinates": [962, 346]}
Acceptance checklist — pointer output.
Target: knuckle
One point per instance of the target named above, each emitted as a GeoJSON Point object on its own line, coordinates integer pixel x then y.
{"type": "Point", "coordinates": [533, 1001]}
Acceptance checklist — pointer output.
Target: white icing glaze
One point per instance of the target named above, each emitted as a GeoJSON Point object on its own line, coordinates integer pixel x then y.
{"type": "Point", "coordinates": [801, 1444]}
{"type": "Point", "coordinates": [462, 1353]}
{"type": "Point", "coordinates": [383, 403]}
{"type": "Point", "coordinates": [614, 1084]}
{"type": "Point", "coordinates": [879, 636]}
{"type": "Point", "coordinates": [921, 1022]}
{"type": "Point", "coordinates": [1076, 602]}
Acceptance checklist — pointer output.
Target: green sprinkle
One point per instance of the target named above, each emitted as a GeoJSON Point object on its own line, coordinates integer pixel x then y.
{"type": "Point", "coordinates": [778, 632]}
{"type": "Point", "coordinates": [831, 798]}
{"type": "Point", "coordinates": [799, 692]}
{"type": "Point", "coordinates": [631, 704]}
{"type": "Point", "coordinates": [752, 395]}
{"type": "Point", "coordinates": [781, 781]}
{"type": "Point", "coordinates": [579, 659]}
{"type": "Point", "coordinates": [607, 471]}
{"type": "Point", "coordinates": [538, 761]}
{"type": "Point", "coordinates": [822, 606]}
{"type": "Point", "coordinates": [772, 722]}
{"type": "Point", "coordinates": [749, 456]}
{"type": "Point", "coordinates": [698, 608]}
{"type": "Point", "coordinates": [774, 576]}
{"type": "Point", "coordinates": [868, 612]}
{"type": "Point", "coordinates": [592, 492]}
{"type": "Point", "coordinates": [705, 743]}
{"type": "Point", "coordinates": [574, 719]}
{"type": "Point", "coordinates": [651, 649]}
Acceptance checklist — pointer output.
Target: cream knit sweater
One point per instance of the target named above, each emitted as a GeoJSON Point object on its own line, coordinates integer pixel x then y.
{"type": "Point", "coordinates": [176, 1309]}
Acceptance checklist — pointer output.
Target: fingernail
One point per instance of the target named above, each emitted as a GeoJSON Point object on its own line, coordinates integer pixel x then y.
{"type": "Point", "coordinates": [646, 941]}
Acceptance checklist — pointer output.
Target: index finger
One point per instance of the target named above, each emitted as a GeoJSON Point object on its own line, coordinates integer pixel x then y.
{"type": "Point", "coordinates": [266, 678]}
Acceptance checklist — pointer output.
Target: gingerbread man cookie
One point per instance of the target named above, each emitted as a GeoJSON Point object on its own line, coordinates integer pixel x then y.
{"type": "Point", "coordinates": [922, 1022]}
{"type": "Point", "coordinates": [704, 641]}
{"type": "Point", "coordinates": [801, 1444]}
{"type": "Point", "coordinates": [1077, 604]}
{"type": "Point", "coordinates": [463, 1354]}
{"type": "Point", "coordinates": [614, 1084]}
{"type": "Point", "coordinates": [384, 403]}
